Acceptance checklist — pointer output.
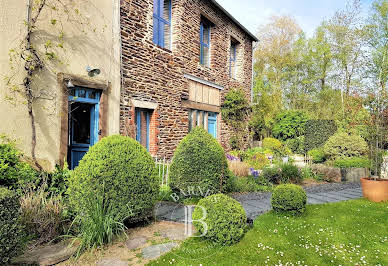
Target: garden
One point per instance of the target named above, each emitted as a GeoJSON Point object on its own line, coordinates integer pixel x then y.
{"type": "Point", "coordinates": [299, 131]}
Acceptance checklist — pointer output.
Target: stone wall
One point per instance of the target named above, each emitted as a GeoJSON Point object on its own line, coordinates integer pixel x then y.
{"type": "Point", "coordinates": [155, 74]}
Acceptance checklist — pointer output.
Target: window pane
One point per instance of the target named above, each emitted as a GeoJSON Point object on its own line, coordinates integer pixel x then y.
{"type": "Point", "coordinates": [167, 36]}
{"type": "Point", "coordinates": [155, 38]}
{"type": "Point", "coordinates": [80, 122]}
{"type": "Point", "coordinates": [205, 56]}
{"type": "Point", "coordinates": [82, 93]}
{"type": "Point", "coordinates": [166, 10]}
{"type": "Point", "coordinates": [206, 34]}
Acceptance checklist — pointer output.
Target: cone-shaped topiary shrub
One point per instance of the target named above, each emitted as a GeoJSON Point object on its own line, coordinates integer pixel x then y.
{"type": "Point", "coordinates": [11, 230]}
{"type": "Point", "coordinates": [289, 198]}
{"type": "Point", "coordinates": [119, 174]}
{"type": "Point", "coordinates": [220, 219]}
{"type": "Point", "coordinates": [199, 161]}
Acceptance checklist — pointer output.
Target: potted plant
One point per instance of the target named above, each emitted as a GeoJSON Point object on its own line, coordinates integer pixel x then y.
{"type": "Point", "coordinates": [375, 188]}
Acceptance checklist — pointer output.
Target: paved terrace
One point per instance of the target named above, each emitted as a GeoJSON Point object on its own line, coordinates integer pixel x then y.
{"type": "Point", "coordinates": [257, 203]}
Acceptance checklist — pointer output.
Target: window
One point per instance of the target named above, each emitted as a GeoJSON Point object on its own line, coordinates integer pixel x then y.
{"type": "Point", "coordinates": [233, 57]}
{"type": "Point", "coordinates": [142, 122]}
{"type": "Point", "coordinates": [162, 23]}
{"type": "Point", "coordinates": [207, 120]}
{"type": "Point", "coordinates": [205, 42]}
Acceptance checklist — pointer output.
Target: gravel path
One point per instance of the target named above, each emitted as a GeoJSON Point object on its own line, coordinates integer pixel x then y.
{"type": "Point", "coordinates": [257, 203]}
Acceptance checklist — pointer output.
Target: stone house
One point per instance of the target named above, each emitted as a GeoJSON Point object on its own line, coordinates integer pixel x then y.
{"type": "Point", "coordinates": [179, 59]}
{"type": "Point", "coordinates": [156, 69]}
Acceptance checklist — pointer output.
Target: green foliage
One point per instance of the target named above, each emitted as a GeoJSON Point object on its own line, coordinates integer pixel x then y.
{"type": "Point", "coordinates": [342, 145]}
{"type": "Point", "coordinates": [256, 160]}
{"type": "Point", "coordinates": [100, 226]}
{"type": "Point", "coordinates": [289, 124]}
{"type": "Point", "coordinates": [290, 173]}
{"type": "Point", "coordinates": [199, 160]}
{"type": "Point", "coordinates": [117, 176]}
{"type": "Point", "coordinates": [13, 172]}
{"type": "Point", "coordinates": [271, 144]}
{"type": "Point", "coordinates": [317, 132]}
{"type": "Point", "coordinates": [272, 174]}
{"type": "Point", "coordinates": [356, 162]}
{"type": "Point", "coordinates": [307, 173]}
{"type": "Point", "coordinates": [225, 219]}
{"type": "Point", "coordinates": [250, 184]}
{"type": "Point", "coordinates": [11, 230]}
{"type": "Point", "coordinates": [235, 110]}
{"type": "Point", "coordinates": [296, 145]}
{"type": "Point", "coordinates": [289, 198]}
{"type": "Point", "coordinates": [57, 180]}
{"type": "Point", "coordinates": [317, 155]}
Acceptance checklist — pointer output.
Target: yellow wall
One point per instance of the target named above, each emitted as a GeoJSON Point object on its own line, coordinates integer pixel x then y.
{"type": "Point", "coordinates": [98, 49]}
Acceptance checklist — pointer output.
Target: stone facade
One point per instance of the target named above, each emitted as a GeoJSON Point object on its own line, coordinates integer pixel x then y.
{"type": "Point", "coordinates": [155, 75]}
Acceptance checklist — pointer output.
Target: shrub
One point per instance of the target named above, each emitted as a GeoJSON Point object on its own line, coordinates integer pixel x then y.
{"type": "Point", "coordinates": [289, 173]}
{"type": "Point", "coordinates": [225, 219]}
{"type": "Point", "coordinates": [296, 145]}
{"type": "Point", "coordinates": [271, 144]}
{"type": "Point", "coordinates": [289, 198]}
{"type": "Point", "coordinates": [272, 174]}
{"type": "Point", "coordinates": [327, 173]}
{"type": "Point", "coordinates": [42, 215]}
{"type": "Point", "coordinates": [343, 145]}
{"type": "Point", "coordinates": [118, 173]}
{"type": "Point", "coordinates": [199, 160]}
{"type": "Point", "coordinates": [14, 172]}
{"type": "Point", "coordinates": [11, 230]}
{"type": "Point", "coordinates": [357, 162]}
{"type": "Point", "coordinates": [250, 184]}
{"type": "Point", "coordinates": [57, 180]}
{"type": "Point", "coordinates": [289, 124]}
{"type": "Point", "coordinates": [317, 132]}
{"type": "Point", "coordinates": [258, 161]}
{"type": "Point", "coordinates": [317, 155]}
{"type": "Point", "coordinates": [308, 173]}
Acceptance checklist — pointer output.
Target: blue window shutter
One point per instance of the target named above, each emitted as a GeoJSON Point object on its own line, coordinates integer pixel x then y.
{"type": "Point", "coordinates": [138, 126]}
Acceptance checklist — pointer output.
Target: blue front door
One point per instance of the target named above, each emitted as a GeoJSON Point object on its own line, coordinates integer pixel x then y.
{"type": "Point", "coordinates": [83, 123]}
{"type": "Point", "coordinates": [212, 124]}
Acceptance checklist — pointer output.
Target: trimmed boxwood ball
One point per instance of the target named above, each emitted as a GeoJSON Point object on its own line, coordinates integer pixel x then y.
{"type": "Point", "coordinates": [225, 219]}
{"type": "Point", "coordinates": [11, 230]}
{"type": "Point", "coordinates": [200, 162]}
{"type": "Point", "coordinates": [289, 198]}
{"type": "Point", "coordinates": [119, 171]}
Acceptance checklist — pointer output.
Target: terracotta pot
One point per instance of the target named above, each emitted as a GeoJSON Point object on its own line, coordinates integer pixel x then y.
{"type": "Point", "coordinates": [375, 190]}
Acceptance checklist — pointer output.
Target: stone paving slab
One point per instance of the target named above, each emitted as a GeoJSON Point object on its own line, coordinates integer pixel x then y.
{"type": "Point", "coordinates": [156, 251]}
{"type": "Point", "coordinates": [256, 204]}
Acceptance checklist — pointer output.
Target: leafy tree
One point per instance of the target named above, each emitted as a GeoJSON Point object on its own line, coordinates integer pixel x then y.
{"type": "Point", "coordinates": [289, 124]}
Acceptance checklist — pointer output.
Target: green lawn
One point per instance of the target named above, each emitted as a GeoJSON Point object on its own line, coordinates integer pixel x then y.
{"type": "Point", "coordinates": [346, 233]}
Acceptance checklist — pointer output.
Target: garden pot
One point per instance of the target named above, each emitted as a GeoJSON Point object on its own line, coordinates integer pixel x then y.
{"type": "Point", "coordinates": [375, 189]}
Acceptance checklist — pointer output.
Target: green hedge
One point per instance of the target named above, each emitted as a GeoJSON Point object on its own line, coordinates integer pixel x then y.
{"type": "Point", "coordinates": [289, 198]}
{"type": "Point", "coordinates": [11, 230]}
{"type": "Point", "coordinates": [121, 174]}
{"type": "Point", "coordinates": [317, 132]}
{"type": "Point", "coordinates": [289, 124]}
{"type": "Point", "coordinates": [200, 162]}
{"type": "Point", "coordinates": [225, 219]}
{"type": "Point", "coordinates": [356, 162]}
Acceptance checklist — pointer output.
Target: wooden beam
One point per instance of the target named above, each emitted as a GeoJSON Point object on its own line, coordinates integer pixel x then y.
{"type": "Point", "coordinates": [201, 106]}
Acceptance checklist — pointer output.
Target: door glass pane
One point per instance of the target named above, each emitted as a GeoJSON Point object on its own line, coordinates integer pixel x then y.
{"type": "Point", "coordinates": [80, 122]}
{"type": "Point", "coordinates": [82, 93]}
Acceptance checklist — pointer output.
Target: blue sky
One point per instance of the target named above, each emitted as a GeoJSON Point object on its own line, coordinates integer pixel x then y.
{"type": "Point", "coordinates": [308, 13]}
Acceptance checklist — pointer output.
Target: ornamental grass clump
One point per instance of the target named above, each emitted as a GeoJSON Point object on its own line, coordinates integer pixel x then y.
{"type": "Point", "coordinates": [116, 181]}
{"type": "Point", "coordinates": [289, 198]}
{"type": "Point", "coordinates": [200, 162]}
{"type": "Point", "coordinates": [220, 219]}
